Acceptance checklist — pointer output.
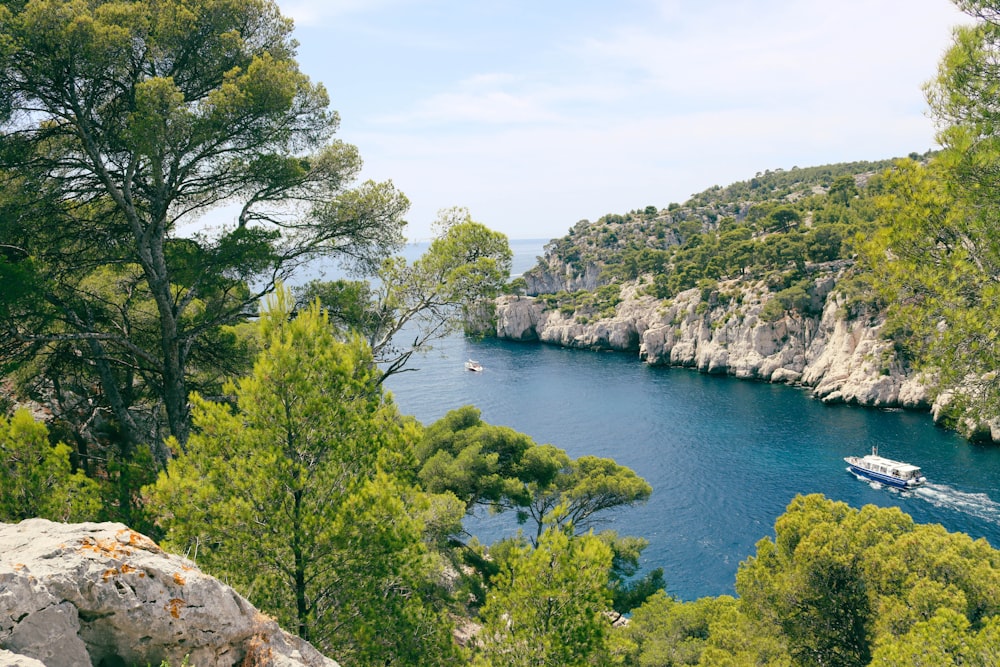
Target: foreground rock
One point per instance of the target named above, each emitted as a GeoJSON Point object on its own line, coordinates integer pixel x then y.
{"type": "Point", "coordinates": [73, 595]}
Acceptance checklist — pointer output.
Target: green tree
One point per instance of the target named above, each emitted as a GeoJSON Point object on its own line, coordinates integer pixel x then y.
{"type": "Point", "coordinates": [945, 640]}
{"type": "Point", "coordinates": [665, 632]}
{"type": "Point", "coordinates": [836, 586]}
{"type": "Point", "coordinates": [932, 266]}
{"type": "Point", "coordinates": [938, 260]}
{"type": "Point", "coordinates": [547, 606]}
{"type": "Point", "coordinates": [121, 122]}
{"type": "Point", "coordinates": [843, 190]}
{"type": "Point", "coordinates": [585, 487]}
{"type": "Point", "coordinates": [36, 479]}
{"type": "Point", "coordinates": [627, 591]}
{"type": "Point", "coordinates": [839, 584]}
{"type": "Point", "coordinates": [811, 579]}
{"type": "Point", "coordinates": [476, 461]}
{"type": "Point", "coordinates": [783, 218]}
{"type": "Point", "coordinates": [504, 469]}
{"type": "Point", "coordinates": [465, 267]}
{"type": "Point", "coordinates": [293, 496]}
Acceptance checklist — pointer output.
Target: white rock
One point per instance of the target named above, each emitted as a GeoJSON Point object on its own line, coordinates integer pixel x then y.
{"type": "Point", "coordinates": [80, 594]}
{"type": "Point", "coordinates": [517, 317]}
{"type": "Point", "coordinates": [841, 360]}
{"type": "Point", "coordinates": [8, 659]}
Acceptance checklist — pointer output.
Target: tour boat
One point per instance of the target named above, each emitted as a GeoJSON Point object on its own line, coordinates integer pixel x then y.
{"type": "Point", "coordinates": [471, 365]}
{"type": "Point", "coordinates": [885, 471]}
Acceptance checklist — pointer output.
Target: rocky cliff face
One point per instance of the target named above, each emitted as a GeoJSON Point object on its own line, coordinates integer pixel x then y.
{"type": "Point", "coordinates": [555, 275]}
{"type": "Point", "coordinates": [842, 360]}
{"type": "Point", "coordinates": [73, 595]}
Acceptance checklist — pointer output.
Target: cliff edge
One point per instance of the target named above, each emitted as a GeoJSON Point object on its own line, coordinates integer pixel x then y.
{"type": "Point", "coordinates": [102, 594]}
{"type": "Point", "coordinates": [842, 359]}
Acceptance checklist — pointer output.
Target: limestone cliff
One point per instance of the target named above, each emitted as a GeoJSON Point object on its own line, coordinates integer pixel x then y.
{"type": "Point", "coordinates": [553, 274]}
{"type": "Point", "coordinates": [73, 595]}
{"type": "Point", "coordinates": [842, 360]}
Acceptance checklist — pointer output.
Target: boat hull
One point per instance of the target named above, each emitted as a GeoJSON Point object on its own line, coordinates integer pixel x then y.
{"type": "Point", "coordinates": [885, 479]}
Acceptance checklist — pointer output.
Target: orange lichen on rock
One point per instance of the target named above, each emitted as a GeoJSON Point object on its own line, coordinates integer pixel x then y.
{"type": "Point", "coordinates": [178, 579]}
{"type": "Point", "coordinates": [109, 548]}
{"type": "Point", "coordinates": [109, 573]}
{"type": "Point", "coordinates": [259, 653]}
{"type": "Point", "coordinates": [137, 540]}
{"type": "Point", "coordinates": [174, 607]}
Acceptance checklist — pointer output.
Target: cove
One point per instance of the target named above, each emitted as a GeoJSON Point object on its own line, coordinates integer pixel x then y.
{"type": "Point", "coordinates": [724, 456]}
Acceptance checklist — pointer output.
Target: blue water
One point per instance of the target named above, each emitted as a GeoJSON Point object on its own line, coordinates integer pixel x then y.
{"type": "Point", "coordinates": [724, 456]}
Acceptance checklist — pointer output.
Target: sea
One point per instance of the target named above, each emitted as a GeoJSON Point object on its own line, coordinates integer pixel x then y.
{"type": "Point", "coordinates": [724, 456]}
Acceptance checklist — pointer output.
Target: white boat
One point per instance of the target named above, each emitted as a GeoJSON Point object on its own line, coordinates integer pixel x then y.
{"type": "Point", "coordinates": [886, 471]}
{"type": "Point", "coordinates": [472, 365]}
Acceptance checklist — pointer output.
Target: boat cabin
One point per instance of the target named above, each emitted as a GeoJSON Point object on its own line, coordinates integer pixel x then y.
{"type": "Point", "coordinates": [896, 469]}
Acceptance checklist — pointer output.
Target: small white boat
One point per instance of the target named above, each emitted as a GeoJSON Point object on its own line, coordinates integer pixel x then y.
{"type": "Point", "coordinates": [886, 471]}
{"type": "Point", "coordinates": [471, 365]}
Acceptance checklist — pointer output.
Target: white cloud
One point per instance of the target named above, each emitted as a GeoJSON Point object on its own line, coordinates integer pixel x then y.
{"type": "Point", "coordinates": [317, 12]}
{"type": "Point", "coordinates": [489, 98]}
{"type": "Point", "coordinates": [618, 115]}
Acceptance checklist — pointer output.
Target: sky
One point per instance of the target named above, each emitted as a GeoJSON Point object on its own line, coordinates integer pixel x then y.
{"type": "Point", "coordinates": [535, 114]}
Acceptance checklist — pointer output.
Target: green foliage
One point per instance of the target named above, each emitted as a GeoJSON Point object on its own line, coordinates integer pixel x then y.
{"type": "Point", "coordinates": [667, 632]}
{"type": "Point", "coordinates": [164, 110]}
{"type": "Point", "coordinates": [944, 640]}
{"type": "Point", "coordinates": [836, 583]}
{"type": "Point", "coordinates": [121, 489]}
{"type": "Point", "coordinates": [496, 466]}
{"type": "Point", "coordinates": [292, 494]}
{"type": "Point", "coordinates": [36, 479]}
{"type": "Point", "coordinates": [836, 586]}
{"type": "Point", "coordinates": [843, 190]}
{"type": "Point", "coordinates": [547, 604]}
{"type": "Point", "coordinates": [478, 462]}
{"type": "Point", "coordinates": [627, 591]}
{"type": "Point", "coordinates": [936, 260]}
{"type": "Point", "coordinates": [791, 299]}
{"type": "Point", "coordinates": [347, 303]}
{"type": "Point", "coordinates": [599, 303]}
{"type": "Point", "coordinates": [583, 488]}
{"type": "Point", "coordinates": [466, 266]}
{"type": "Point", "coordinates": [783, 218]}
{"type": "Point", "coordinates": [921, 267]}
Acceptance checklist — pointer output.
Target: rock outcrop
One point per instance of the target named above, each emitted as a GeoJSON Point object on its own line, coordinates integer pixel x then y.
{"type": "Point", "coordinates": [553, 275]}
{"type": "Point", "coordinates": [97, 594]}
{"type": "Point", "coordinates": [842, 360]}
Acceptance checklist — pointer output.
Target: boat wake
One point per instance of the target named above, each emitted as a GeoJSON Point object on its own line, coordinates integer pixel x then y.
{"type": "Point", "coordinates": [870, 482]}
{"type": "Point", "coordinates": [978, 505]}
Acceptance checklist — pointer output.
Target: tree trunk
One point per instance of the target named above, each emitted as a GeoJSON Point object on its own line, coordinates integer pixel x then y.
{"type": "Point", "coordinates": [301, 605]}
{"type": "Point", "coordinates": [175, 398]}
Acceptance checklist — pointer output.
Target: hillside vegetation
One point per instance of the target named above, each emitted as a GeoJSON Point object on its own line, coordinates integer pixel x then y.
{"type": "Point", "coordinates": [900, 238]}
{"type": "Point", "coordinates": [771, 226]}
{"type": "Point", "coordinates": [166, 378]}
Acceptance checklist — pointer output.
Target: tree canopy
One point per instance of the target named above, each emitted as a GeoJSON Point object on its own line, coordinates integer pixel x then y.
{"type": "Point", "coordinates": [496, 466]}
{"type": "Point", "coordinates": [936, 261]}
{"type": "Point", "coordinates": [465, 266]}
{"type": "Point", "coordinates": [122, 124]}
{"type": "Point", "coordinates": [835, 586]}
{"type": "Point", "coordinates": [297, 494]}
{"type": "Point", "coordinates": [36, 478]}
{"type": "Point", "coordinates": [546, 606]}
